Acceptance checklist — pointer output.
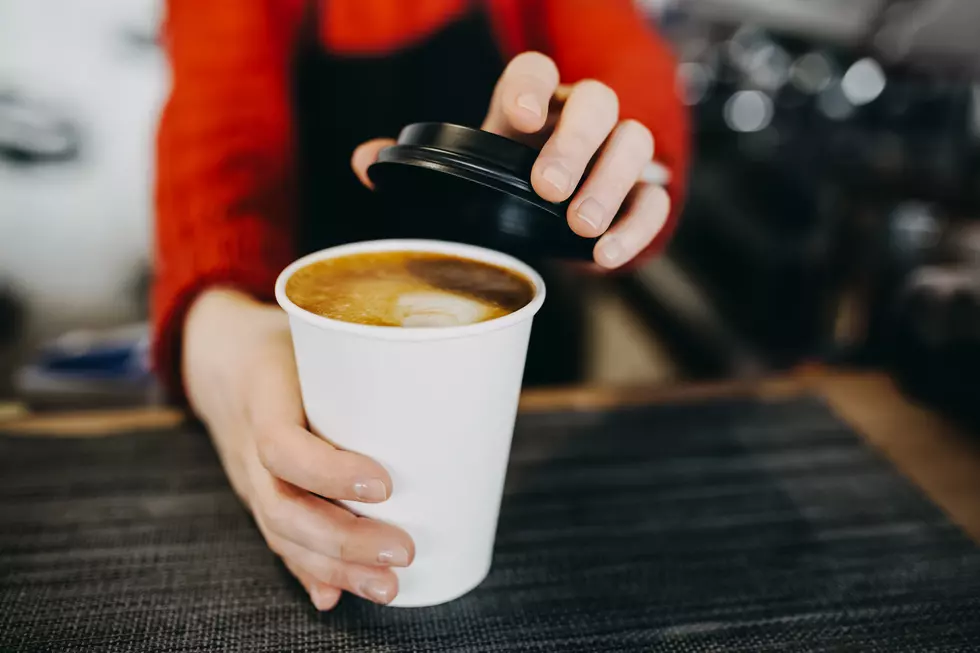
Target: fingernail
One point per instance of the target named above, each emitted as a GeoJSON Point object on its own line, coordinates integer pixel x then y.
{"type": "Point", "coordinates": [611, 251]}
{"type": "Point", "coordinates": [591, 213]}
{"type": "Point", "coordinates": [530, 102]}
{"type": "Point", "coordinates": [377, 591]}
{"type": "Point", "coordinates": [556, 175]}
{"type": "Point", "coordinates": [372, 489]}
{"type": "Point", "coordinates": [394, 557]}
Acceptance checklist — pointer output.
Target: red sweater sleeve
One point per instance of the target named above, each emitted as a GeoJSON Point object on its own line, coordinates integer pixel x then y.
{"type": "Point", "coordinates": [225, 179]}
{"type": "Point", "coordinates": [609, 40]}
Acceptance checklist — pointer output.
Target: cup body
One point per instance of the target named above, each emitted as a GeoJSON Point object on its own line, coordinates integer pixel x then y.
{"type": "Point", "coordinates": [435, 406]}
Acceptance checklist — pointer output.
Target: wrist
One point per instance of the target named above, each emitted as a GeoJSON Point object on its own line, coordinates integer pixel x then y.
{"type": "Point", "coordinates": [223, 329]}
{"type": "Point", "coordinates": [226, 308]}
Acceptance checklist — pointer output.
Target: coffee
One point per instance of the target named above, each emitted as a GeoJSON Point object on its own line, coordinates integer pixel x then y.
{"type": "Point", "coordinates": [408, 289]}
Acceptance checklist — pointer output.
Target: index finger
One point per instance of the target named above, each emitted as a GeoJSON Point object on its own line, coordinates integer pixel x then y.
{"type": "Point", "coordinates": [293, 454]}
{"type": "Point", "coordinates": [522, 95]}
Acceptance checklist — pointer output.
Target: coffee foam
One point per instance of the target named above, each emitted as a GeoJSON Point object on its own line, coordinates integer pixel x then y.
{"type": "Point", "coordinates": [408, 289]}
{"type": "Point", "coordinates": [435, 308]}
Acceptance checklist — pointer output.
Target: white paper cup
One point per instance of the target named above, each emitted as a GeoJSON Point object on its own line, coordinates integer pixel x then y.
{"type": "Point", "coordinates": [435, 406]}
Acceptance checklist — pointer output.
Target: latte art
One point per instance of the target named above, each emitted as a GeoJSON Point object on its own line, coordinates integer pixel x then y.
{"type": "Point", "coordinates": [433, 309]}
{"type": "Point", "coordinates": [408, 290]}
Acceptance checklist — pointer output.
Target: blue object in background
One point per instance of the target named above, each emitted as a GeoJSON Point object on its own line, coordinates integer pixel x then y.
{"type": "Point", "coordinates": [111, 366]}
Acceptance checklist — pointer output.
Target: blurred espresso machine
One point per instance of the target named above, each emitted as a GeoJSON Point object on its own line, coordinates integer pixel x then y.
{"type": "Point", "coordinates": [835, 195]}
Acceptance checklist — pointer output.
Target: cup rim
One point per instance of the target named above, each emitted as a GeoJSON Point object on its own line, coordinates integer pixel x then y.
{"type": "Point", "coordinates": [414, 334]}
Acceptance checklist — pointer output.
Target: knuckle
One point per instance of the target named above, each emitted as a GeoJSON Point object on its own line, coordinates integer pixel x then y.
{"type": "Point", "coordinates": [323, 569]}
{"type": "Point", "coordinates": [601, 95]}
{"type": "Point", "coordinates": [276, 513]}
{"type": "Point", "coordinates": [660, 197]}
{"type": "Point", "coordinates": [332, 573]}
{"type": "Point", "coordinates": [616, 186]}
{"type": "Point", "coordinates": [656, 204]}
{"type": "Point", "coordinates": [268, 446]}
{"type": "Point", "coordinates": [538, 61]}
{"type": "Point", "coordinates": [639, 138]}
{"type": "Point", "coordinates": [347, 540]}
{"type": "Point", "coordinates": [576, 141]}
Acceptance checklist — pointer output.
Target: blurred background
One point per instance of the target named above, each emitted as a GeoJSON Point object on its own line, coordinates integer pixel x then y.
{"type": "Point", "coordinates": [830, 219]}
{"type": "Point", "coordinates": [81, 86]}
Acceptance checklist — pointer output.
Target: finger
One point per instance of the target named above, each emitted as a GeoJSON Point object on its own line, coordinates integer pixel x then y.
{"type": "Point", "coordinates": [522, 95]}
{"type": "Point", "coordinates": [590, 113]}
{"type": "Point", "coordinates": [365, 155]}
{"type": "Point", "coordinates": [323, 596]}
{"type": "Point", "coordinates": [289, 513]}
{"type": "Point", "coordinates": [372, 583]}
{"type": "Point", "coordinates": [649, 206]}
{"type": "Point", "coordinates": [295, 455]}
{"type": "Point", "coordinates": [628, 151]}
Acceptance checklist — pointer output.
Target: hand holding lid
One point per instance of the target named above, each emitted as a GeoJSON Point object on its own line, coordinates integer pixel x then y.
{"type": "Point", "coordinates": [549, 173]}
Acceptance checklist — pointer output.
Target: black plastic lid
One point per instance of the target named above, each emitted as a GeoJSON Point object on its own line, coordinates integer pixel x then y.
{"type": "Point", "coordinates": [471, 186]}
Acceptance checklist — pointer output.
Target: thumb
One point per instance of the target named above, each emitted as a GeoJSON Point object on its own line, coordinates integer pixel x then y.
{"type": "Point", "coordinates": [365, 155]}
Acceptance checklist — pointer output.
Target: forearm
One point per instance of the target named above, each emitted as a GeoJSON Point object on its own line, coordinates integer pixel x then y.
{"type": "Point", "coordinates": [225, 181]}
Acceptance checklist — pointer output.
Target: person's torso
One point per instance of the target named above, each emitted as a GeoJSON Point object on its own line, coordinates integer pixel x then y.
{"type": "Point", "coordinates": [351, 87]}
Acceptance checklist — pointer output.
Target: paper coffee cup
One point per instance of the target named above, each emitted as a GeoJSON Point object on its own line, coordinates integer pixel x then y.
{"type": "Point", "coordinates": [435, 406]}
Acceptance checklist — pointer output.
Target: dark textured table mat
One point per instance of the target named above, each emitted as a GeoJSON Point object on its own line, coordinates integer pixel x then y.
{"type": "Point", "coordinates": [717, 526]}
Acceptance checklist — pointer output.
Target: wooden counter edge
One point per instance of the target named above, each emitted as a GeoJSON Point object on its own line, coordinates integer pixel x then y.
{"type": "Point", "coordinates": [94, 422]}
{"type": "Point", "coordinates": [939, 457]}
{"type": "Point", "coordinates": [108, 422]}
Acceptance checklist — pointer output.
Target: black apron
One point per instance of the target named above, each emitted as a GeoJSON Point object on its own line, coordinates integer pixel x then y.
{"type": "Point", "coordinates": [340, 101]}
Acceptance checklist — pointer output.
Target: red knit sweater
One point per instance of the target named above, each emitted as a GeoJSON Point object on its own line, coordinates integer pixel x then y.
{"type": "Point", "coordinates": [225, 157]}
